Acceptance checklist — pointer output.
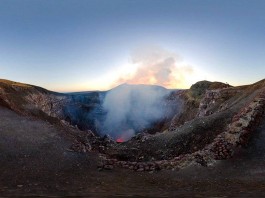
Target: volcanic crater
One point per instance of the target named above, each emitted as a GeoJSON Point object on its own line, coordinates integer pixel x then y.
{"type": "Point", "coordinates": [131, 128]}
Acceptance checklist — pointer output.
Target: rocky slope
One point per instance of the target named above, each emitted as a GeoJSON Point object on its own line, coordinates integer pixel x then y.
{"type": "Point", "coordinates": [235, 113]}
{"type": "Point", "coordinates": [84, 110]}
{"type": "Point", "coordinates": [213, 135]}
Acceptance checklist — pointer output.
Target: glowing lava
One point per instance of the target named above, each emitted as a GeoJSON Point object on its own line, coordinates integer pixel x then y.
{"type": "Point", "coordinates": [119, 140]}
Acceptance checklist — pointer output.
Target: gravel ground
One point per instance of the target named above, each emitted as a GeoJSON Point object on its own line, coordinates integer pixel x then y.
{"type": "Point", "coordinates": [34, 161]}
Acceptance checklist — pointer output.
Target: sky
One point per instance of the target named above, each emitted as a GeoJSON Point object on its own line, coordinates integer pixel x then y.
{"type": "Point", "coordinates": [80, 45]}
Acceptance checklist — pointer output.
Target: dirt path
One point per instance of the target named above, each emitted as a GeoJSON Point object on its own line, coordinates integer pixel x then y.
{"type": "Point", "coordinates": [34, 161]}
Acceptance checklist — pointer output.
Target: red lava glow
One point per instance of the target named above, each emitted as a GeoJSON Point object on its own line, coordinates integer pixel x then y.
{"type": "Point", "coordinates": [119, 140]}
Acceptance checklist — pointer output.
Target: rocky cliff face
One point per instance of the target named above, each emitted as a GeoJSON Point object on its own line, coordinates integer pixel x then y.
{"type": "Point", "coordinates": [214, 120]}
{"type": "Point", "coordinates": [32, 100]}
{"type": "Point", "coordinates": [51, 104]}
{"type": "Point", "coordinates": [216, 100]}
{"type": "Point", "coordinates": [84, 110]}
{"type": "Point", "coordinates": [204, 140]}
{"type": "Point", "coordinates": [78, 109]}
{"type": "Point", "coordinates": [203, 98]}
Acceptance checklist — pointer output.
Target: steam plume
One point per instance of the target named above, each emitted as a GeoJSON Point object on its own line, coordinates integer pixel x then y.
{"type": "Point", "coordinates": [157, 66]}
{"type": "Point", "coordinates": [131, 108]}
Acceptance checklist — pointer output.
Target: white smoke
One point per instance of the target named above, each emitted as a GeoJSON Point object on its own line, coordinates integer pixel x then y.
{"type": "Point", "coordinates": [131, 108]}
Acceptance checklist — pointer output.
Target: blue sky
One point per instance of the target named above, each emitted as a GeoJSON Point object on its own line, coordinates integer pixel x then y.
{"type": "Point", "coordinates": [73, 45]}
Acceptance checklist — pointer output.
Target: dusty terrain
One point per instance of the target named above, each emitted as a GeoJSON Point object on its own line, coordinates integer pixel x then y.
{"type": "Point", "coordinates": [38, 158]}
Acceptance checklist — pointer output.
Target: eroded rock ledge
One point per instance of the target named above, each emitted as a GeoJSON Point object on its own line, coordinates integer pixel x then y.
{"type": "Point", "coordinates": [223, 146]}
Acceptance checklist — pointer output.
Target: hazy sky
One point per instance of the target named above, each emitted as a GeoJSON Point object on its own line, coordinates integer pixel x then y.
{"type": "Point", "coordinates": [73, 45]}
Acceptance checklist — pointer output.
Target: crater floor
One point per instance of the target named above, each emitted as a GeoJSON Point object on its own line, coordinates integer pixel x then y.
{"type": "Point", "coordinates": [35, 160]}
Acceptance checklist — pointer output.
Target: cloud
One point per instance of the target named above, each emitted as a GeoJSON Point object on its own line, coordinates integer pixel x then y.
{"type": "Point", "coordinates": [157, 66]}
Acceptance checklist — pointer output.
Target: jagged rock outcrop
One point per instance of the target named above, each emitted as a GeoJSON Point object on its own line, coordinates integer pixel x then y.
{"type": "Point", "coordinates": [215, 101]}
{"type": "Point", "coordinates": [51, 104]}
{"type": "Point", "coordinates": [211, 126]}
{"type": "Point", "coordinates": [32, 100]}
{"type": "Point", "coordinates": [244, 113]}
{"type": "Point", "coordinates": [223, 146]}
{"type": "Point", "coordinates": [84, 110]}
{"type": "Point", "coordinates": [200, 100]}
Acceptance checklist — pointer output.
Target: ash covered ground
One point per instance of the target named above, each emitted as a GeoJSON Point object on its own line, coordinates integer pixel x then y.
{"type": "Point", "coordinates": [134, 140]}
